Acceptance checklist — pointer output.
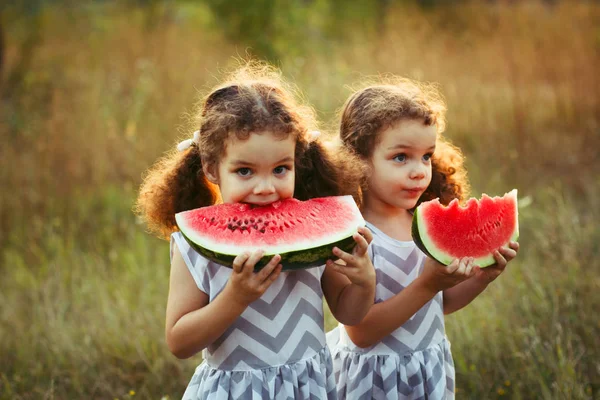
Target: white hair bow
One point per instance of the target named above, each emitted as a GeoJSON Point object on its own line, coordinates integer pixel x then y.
{"type": "Point", "coordinates": [313, 135]}
{"type": "Point", "coordinates": [185, 144]}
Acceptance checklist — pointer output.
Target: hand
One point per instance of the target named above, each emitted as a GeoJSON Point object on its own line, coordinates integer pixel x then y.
{"type": "Point", "coordinates": [356, 266]}
{"type": "Point", "coordinates": [244, 284]}
{"type": "Point", "coordinates": [502, 256]}
{"type": "Point", "coordinates": [439, 277]}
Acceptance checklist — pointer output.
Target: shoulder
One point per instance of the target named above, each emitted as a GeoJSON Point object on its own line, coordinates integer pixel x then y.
{"type": "Point", "coordinates": [201, 268]}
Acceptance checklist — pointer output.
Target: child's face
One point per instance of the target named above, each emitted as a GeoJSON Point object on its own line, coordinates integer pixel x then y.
{"type": "Point", "coordinates": [259, 170]}
{"type": "Point", "coordinates": [401, 165]}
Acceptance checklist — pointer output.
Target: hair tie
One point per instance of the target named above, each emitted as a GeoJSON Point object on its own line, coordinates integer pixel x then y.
{"type": "Point", "coordinates": [313, 135]}
{"type": "Point", "coordinates": [187, 143]}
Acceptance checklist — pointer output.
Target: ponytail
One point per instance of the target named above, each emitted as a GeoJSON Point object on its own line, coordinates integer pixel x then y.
{"type": "Point", "coordinates": [175, 183]}
{"type": "Point", "coordinates": [321, 173]}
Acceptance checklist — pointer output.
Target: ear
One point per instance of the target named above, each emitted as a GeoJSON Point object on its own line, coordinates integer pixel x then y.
{"type": "Point", "coordinates": [210, 171]}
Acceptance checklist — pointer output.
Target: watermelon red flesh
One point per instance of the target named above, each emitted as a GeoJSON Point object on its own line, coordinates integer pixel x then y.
{"type": "Point", "coordinates": [474, 230]}
{"type": "Point", "coordinates": [303, 232]}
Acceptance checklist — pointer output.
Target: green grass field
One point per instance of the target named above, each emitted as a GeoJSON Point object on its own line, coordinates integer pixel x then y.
{"type": "Point", "coordinates": [101, 93]}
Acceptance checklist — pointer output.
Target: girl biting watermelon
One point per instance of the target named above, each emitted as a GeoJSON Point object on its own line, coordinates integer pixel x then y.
{"type": "Point", "coordinates": [261, 333]}
{"type": "Point", "coordinates": [400, 350]}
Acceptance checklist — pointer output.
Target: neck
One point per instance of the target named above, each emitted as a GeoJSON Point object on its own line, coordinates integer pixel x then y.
{"type": "Point", "coordinates": [393, 221]}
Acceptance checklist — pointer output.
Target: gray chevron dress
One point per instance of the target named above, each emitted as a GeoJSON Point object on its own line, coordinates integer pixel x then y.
{"type": "Point", "coordinates": [275, 350]}
{"type": "Point", "coordinates": [414, 361]}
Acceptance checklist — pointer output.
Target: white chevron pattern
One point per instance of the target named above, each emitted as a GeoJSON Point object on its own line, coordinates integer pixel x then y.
{"type": "Point", "coordinates": [414, 361]}
{"type": "Point", "coordinates": [275, 349]}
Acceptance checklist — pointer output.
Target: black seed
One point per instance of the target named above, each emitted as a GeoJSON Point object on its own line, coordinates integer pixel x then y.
{"type": "Point", "coordinates": [246, 221]}
{"type": "Point", "coordinates": [262, 230]}
{"type": "Point", "coordinates": [255, 226]}
{"type": "Point", "coordinates": [239, 223]}
{"type": "Point", "coordinates": [242, 228]}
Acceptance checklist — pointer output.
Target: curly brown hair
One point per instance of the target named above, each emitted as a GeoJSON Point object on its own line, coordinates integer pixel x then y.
{"type": "Point", "coordinates": [389, 100]}
{"type": "Point", "coordinates": [254, 98]}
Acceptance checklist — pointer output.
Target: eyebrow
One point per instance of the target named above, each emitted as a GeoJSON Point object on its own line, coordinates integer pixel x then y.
{"type": "Point", "coordinates": [404, 146]}
{"type": "Point", "coordinates": [242, 162]}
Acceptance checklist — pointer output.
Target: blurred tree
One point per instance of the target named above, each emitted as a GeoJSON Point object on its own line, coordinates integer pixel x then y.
{"type": "Point", "coordinates": [249, 22]}
{"type": "Point", "coordinates": [29, 14]}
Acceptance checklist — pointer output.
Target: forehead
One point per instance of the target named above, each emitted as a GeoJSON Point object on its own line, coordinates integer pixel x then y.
{"type": "Point", "coordinates": [410, 133]}
{"type": "Point", "coordinates": [259, 147]}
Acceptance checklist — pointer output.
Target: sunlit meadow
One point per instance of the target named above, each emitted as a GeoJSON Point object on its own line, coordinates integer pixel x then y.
{"type": "Point", "coordinates": [91, 96]}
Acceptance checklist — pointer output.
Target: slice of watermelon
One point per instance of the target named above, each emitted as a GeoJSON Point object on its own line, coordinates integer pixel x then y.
{"type": "Point", "coordinates": [302, 232]}
{"type": "Point", "coordinates": [474, 230]}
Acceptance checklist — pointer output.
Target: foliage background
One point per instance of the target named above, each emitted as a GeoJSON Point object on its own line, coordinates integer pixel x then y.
{"type": "Point", "coordinates": [92, 92]}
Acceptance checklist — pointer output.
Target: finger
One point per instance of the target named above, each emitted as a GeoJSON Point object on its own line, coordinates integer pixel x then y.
{"type": "Point", "coordinates": [268, 269]}
{"type": "Point", "coordinates": [514, 245]}
{"type": "Point", "coordinates": [251, 262]}
{"type": "Point", "coordinates": [453, 266]}
{"type": "Point", "coordinates": [346, 257]}
{"type": "Point", "coordinates": [342, 269]}
{"type": "Point", "coordinates": [469, 267]}
{"type": "Point", "coordinates": [461, 266]}
{"type": "Point", "coordinates": [272, 277]}
{"type": "Point", "coordinates": [238, 262]}
{"type": "Point", "coordinates": [361, 245]}
{"type": "Point", "coordinates": [366, 233]}
{"type": "Point", "coordinates": [500, 260]}
{"type": "Point", "coordinates": [508, 253]}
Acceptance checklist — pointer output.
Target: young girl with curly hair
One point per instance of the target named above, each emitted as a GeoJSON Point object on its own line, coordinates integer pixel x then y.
{"type": "Point", "coordinates": [400, 350]}
{"type": "Point", "coordinates": [262, 333]}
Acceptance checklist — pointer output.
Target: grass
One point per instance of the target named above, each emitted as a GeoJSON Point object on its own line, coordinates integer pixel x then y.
{"type": "Point", "coordinates": [83, 287]}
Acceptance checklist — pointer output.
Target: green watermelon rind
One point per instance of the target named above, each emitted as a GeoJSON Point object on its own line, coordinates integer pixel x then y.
{"type": "Point", "coordinates": [426, 246]}
{"type": "Point", "coordinates": [290, 261]}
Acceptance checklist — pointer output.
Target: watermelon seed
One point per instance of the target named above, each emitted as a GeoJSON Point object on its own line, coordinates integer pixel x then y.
{"type": "Point", "coordinates": [212, 219]}
{"type": "Point", "coordinates": [246, 221]}
{"type": "Point", "coordinates": [242, 228]}
{"type": "Point", "coordinates": [232, 227]}
{"type": "Point", "coordinates": [267, 223]}
{"type": "Point", "coordinates": [239, 223]}
{"type": "Point", "coordinates": [235, 218]}
{"type": "Point", "coordinates": [252, 220]}
{"type": "Point", "coordinates": [255, 226]}
{"type": "Point", "coordinates": [262, 230]}
{"type": "Point", "coordinates": [259, 220]}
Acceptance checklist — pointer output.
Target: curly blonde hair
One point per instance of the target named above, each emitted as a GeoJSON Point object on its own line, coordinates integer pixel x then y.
{"type": "Point", "coordinates": [389, 100]}
{"type": "Point", "coordinates": [254, 98]}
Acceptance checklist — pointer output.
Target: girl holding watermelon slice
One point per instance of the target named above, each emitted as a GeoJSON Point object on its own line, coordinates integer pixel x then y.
{"type": "Point", "coordinates": [261, 333]}
{"type": "Point", "coordinates": [400, 349]}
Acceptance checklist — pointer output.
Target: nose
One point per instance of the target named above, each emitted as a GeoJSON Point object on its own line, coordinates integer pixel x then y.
{"type": "Point", "coordinates": [264, 186]}
{"type": "Point", "coordinates": [417, 172]}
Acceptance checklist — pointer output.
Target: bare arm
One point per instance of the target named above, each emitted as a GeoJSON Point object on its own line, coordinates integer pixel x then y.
{"type": "Point", "coordinates": [348, 302]}
{"type": "Point", "coordinates": [192, 322]}
{"type": "Point", "coordinates": [385, 317]}
{"type": "Point", "coordinates": [349, 286]}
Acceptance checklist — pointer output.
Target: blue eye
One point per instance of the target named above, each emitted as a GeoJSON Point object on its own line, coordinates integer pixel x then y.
{"type": "Point", "coordinates": [244, 172]}
{"type": "Point", "coordinates": [400, 157]}
{"type": "Point", "coordinates": [282, 169]}
{"type": "Point", "coordinates": [427, 157]}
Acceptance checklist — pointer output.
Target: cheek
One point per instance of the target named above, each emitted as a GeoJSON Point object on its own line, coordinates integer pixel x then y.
{"type": "Point", "coordinates": [289, 184]}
